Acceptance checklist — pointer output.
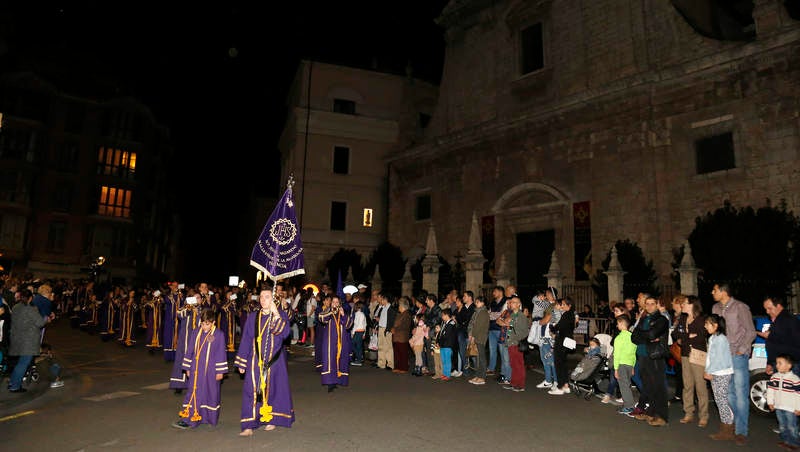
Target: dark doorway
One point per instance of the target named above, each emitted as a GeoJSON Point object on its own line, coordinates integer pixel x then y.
{"type": "Point", "coordinates": [533, 260]}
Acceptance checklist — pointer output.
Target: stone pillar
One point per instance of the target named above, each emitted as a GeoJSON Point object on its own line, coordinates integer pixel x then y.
{"type": "Point", "coordinates": [430, 264]}
{"type": "Point", "coordinates": [615, 275]}
{"type": "Point", "coordinates": [407, 282]}
{"type": "Point", "coordinates": [688, 272]}
{"type": "Point", "coordinates": [474, 260]}
{"type": "Point", "coordinates": [377, 283]}
{"type": "Point", "coordinates": [501, 278]}
{"type": "Point", "coordinates": [554, 276]}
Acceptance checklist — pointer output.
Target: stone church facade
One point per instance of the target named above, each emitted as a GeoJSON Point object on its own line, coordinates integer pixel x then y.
{"type": "Point", "coordinates": [565, 126]}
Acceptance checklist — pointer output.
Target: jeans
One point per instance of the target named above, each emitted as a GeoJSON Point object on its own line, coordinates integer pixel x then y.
{"type": "Point", "coordinates": [494, 336]}
{"type": "Point", "coordinates": [447, 356]}
{"type": "Point", "coordinates": [358, 346]}
{"type": "Point", "coordinates": [788, 423]}
{"type": "Point", "coordinates": [463, 360]}
{"type": "Point", "coordinates": [505, 364]}
{"type": "Point", "coordinates": [546, 353]}
{"type": "Point", "coordinates": [19, 371]}
{"type": "Point", "coordinates": [738, 394]}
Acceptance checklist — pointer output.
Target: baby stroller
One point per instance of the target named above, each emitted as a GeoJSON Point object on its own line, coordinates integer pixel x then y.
{"type": "Point", "coordinates": [592, 369]}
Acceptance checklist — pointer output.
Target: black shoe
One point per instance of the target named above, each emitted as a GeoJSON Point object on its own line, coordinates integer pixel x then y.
{"type": "Point", "coordinates": [178, 391]}
{"type": "Point", "coordinates": [331, 388]}
{"type": "Point", "coordinates": [388, 368]}
{"type": "Point", "coordinates": [18, 390]}
{"type": "Point", "coordinates": [181, 425]}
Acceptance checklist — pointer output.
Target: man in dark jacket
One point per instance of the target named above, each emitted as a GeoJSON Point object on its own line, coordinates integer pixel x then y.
{"type": "Point", "coordinates": [651, 335]}
{"type": "Point", "coordinates": [783, 336]}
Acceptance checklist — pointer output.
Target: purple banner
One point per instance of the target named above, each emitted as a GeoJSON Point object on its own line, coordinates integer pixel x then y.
{"type": "Point", "coordinates": [279, 251]}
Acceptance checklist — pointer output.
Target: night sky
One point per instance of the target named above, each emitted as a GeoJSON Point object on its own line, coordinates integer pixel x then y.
{"type": "Point", "coordinates": [217, 76]}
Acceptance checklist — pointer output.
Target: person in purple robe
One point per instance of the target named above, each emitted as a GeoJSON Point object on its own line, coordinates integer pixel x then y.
{"type": "Point", "coordinates": [172, 303]}
{"type": "Point", "coordinates": [335, 350]}
{"type": "Point", "coordinates": [320, 330]}
{"type": "Point", "coordinates": [205, 364]}
{"type": "Point", "coordinates": [266, 397]}
{"type": "Point", "coordinates": [228, 319]}
{"type": "Point", "coordinates": [189, 321]}
{"type": "Point", "coordinates": [153, 319]}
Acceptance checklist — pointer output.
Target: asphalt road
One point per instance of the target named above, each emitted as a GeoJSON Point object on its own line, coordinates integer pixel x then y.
{"type": "Point", "coordinates": [116, 399]}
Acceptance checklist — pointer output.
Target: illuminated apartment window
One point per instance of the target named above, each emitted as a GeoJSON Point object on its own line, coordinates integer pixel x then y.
{"type": "Point", "coordinates": [56, 236]}
{"type": "Point", "coordinates": [367, 218]}
{"type": "Point", "coordinates": [116, 162]}
{"type": "Point", "coordinates": [114, 202]}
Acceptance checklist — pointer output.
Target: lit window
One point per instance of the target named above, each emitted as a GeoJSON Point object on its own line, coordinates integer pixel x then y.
{"type": "Point", "coordinates": [116, 162]}
{"type": "Point", "coordinates": [367, 218]}
{"type": "Point", "coordinates": [114, 202]}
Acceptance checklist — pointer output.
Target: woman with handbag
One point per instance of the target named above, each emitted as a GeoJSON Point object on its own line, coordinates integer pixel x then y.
{"type": "Point", "coordinates": [691, 335]}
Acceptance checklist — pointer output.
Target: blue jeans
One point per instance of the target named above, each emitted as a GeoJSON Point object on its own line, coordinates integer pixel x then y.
{"type": "Point", "coordinates": [548, 361]}
{"type": "Point", "coordinates": [636, 378]}
{"type": "Point", "coordinates": [505, 364]}
{"type": "Point", "coordinates": [787, 420]}
{"type": "Point", "coordinates": [358, 346]}
{"type": "Point", "coordinates": [447, 360]}
{"type": "Point", "coordinates": [19, 371]}
{"type": "Point", "coordinates": [738, 394]}
{"type": "Point", "coordinates": [613, 384]}
{"type": "Point", "coordinates": [494, 336]}
{"type": "Point", "coordinates": [462, 350]}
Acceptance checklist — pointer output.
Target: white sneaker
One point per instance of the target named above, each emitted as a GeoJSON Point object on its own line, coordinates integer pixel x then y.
{"type": "Point", "coordinates": [565, 390]}
{"type": "Point", "coordinates": [555, 391]}
{"type": "Point", "coordinates": [606, 399]}
{"type": "Point", "coordinates": [619, 401]}
{"type": "Point", "coordinates": [456, 373]}
{"type": "Point", "coordinates": [544, 385]}
{"type": "Point", "coordinates": [57, 384]}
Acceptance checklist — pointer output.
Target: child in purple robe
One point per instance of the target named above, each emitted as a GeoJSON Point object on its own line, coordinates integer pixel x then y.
{"type": "Point", "coordinates": [266, 397]}
{"type": "Point", "coordinates": [336, 344]}
{"type": "Point", "coordinates": [205, 364]}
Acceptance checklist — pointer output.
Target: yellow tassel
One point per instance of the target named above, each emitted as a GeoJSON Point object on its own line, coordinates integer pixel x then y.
{"type": "Point", "coordinates": [184, 412]}
{"type": "Point", "coordinates": [266, 413]}
{"type": "Point", "coordinates": [196, 417]}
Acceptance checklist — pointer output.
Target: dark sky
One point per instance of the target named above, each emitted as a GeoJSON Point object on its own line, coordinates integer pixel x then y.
{"type": "Point", "coordinates": [177, 58]}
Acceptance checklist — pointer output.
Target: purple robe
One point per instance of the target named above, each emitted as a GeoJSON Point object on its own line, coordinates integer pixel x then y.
{"type": "Point", "coordinates": [172, 303]}
{"type": "Point", "coordinates": [204, 360]}
{"type": "Point", "coordinates": [126, 321]}
{"type": "Point", "coordinates": [228, 319]}
{"type": "Point", "coordinates": [153, 319]}
{"type": "Point", "coordinates": [189, 321]}
{"type": "Point", "coordinates": [335, 348]}
{"type": "Point", "coordinates": [272, 330]}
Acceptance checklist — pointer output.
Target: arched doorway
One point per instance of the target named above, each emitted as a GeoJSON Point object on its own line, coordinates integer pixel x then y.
{"type": "Point", "coordinates": [531, 221]}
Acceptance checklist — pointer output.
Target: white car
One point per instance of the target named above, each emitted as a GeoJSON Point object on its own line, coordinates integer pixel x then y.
{"type": "Point", "coordinates": [758, 380]}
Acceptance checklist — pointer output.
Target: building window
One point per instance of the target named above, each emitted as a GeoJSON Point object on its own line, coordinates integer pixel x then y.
{"type": "Point", "coordinates": [338, 216]}
{"type": "Point", "coordinates": [74, 118]}
{"type": "Point", "coordinates": [715, 153]}
{"type": "Point", "coordinates": [18, 144]}
{"type": "Point", "coordinates": [56, 236]}
{"type": "Point", "coordinates": [532, 45]}
{"type": "Point", "coordinates": [341, 160]}
{"type": "Point", "coordinates": [116, 162]}
{"type": "Point", "coordinates": [8, 185]}
{"type": "Point", "coordinates": [423, 207]}
{"type": "Point", "coordinates": [345, 106]}
{"type": "Point", "coordinates": [62, 197]}
{"type": "Point", "coordinates": [67, 157]}
{"type": "Point", "coordinates": [367, 222]}
{"type": "Point", "coordinates": [114, 202]}
{"type": "Point", "coordinates": [423, 120]}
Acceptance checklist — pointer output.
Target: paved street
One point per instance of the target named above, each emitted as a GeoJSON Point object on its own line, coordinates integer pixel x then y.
{"type": "Point", "coordinates": [116, 399]}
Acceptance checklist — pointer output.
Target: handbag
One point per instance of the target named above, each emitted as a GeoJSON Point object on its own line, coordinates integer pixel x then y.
{"type": "Point", "coordinates": [373, 341]}
{"type": "Point", "coordinates": [472, 349]}
{"type": "Point", "coordinates": [697, 357]}
{"type": "Point", "coordinates": [675, 351]}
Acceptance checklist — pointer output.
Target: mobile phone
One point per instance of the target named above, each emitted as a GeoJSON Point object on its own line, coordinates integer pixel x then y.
{"type": "Point", "coordinates": [233, 297]}
{"type": "Point", "coordinates": [191, 300]}
{"type": "Point", "coordinates": [181, 286]}
{"type": "Point", "coordinates": [156, 293]}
